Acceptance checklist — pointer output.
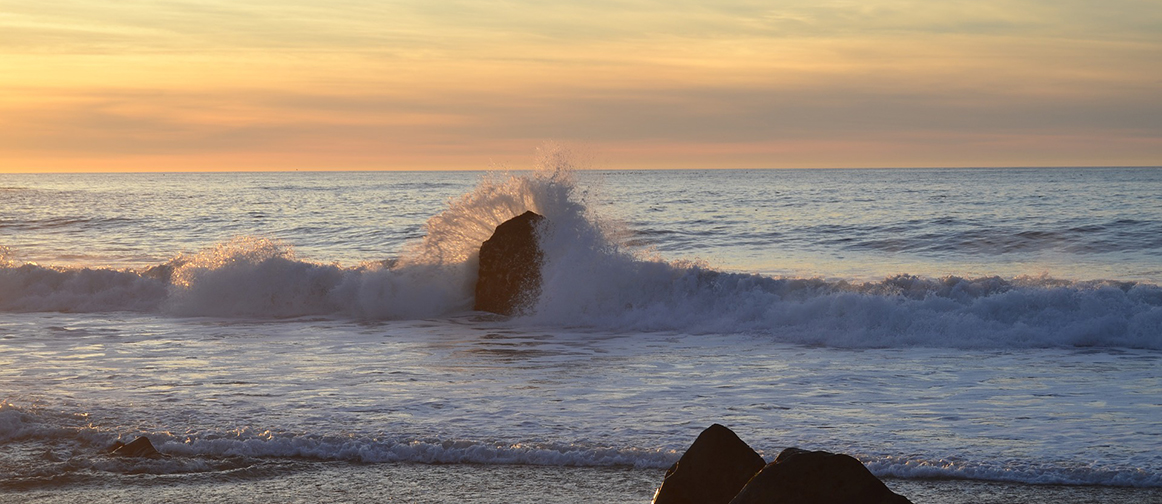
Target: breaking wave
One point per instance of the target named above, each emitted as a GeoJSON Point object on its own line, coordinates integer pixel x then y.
{"type": "Point", "coordinates": [71, 446]}
{"type": "Point", "coordinates": [592, 280]}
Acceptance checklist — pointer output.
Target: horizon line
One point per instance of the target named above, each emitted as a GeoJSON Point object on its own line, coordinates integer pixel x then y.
{"type": "Point", "coordinates": [485, 170]}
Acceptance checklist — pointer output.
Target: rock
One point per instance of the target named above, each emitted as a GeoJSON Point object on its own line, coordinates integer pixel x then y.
{"type": "Point", "coordinates": [509, 279]}
{"type": "Point", "coordinates": [816, 477]}
{"type": "Point", "coordinates": [711, 471]}
{"type": "Point", "coordinates": [140, 447]}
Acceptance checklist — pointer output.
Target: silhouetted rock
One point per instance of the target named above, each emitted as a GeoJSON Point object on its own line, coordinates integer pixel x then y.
{"type": "Point", "coordinates": [816, 477]}
{"type": "Point", "coordinates": [509, 279]}
{"type": "Point", "coordinates": [140, 447]}
{"type": "Point", "coordinates": [712, 471]}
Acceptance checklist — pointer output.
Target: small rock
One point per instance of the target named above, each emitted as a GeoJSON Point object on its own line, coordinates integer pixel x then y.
{"type": "Point", "coordinates": [140, 447]}
{"type": "Point", "coordinates": [816, 477]}
{"type": "Point", "coordinates": [711, 471]}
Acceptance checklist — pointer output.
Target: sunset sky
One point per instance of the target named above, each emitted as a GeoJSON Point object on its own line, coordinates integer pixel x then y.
{"type": "Point", "coordinates": [356, 85]}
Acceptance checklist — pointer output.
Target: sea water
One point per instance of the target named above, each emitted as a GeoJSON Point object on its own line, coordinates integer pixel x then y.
{"type": "Point", "coordinates": [971, 335]}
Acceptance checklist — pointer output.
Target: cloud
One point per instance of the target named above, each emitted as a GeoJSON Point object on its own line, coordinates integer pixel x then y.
{"type": "Point", "coordinates": [373, 82]}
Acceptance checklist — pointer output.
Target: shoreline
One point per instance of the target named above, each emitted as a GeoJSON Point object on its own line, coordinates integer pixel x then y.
{"type": "Point", "coordinates": [323, 482]}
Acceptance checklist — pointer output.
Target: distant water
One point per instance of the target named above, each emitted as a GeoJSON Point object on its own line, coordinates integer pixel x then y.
{"type": "Point", "coordinates": [1069, 223]}
{"type": "Point", "coordinates": [982, 325]}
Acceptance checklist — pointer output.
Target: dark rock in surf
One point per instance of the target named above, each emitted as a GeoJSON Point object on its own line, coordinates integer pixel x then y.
{"type": "Point", "coordinates": [140, 447]}
{"type": "Point", "coordinates": [816, 477]}
{"type": "Point", "coordinates": [509, 279]}
{"type": "Point", "coordinates": [712, 471]}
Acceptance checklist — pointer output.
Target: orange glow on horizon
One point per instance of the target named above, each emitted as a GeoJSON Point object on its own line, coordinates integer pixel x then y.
{"type": "Point", "coordinates": [313, 86]}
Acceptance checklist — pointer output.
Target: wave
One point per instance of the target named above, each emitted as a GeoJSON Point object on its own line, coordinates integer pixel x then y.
{"type": "Point", "coordinates": [901, 311]}
{"type": "Point", "coordinates": [1014, 471]}
{"type": "Point", "coordinates": [30, 287]}
{"type": "Point", "coordinates": [594, 278]}
{"type": "Point", "coordinates": [64, 222]}
{"type": "Point", "coordinates": [967, 238]}
{"type": "Point", "coordinates": [64, 444]}
{"type": "Point", "coordinates": [72, 443]}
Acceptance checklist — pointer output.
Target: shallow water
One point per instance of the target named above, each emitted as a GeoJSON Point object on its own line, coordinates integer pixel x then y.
{"type": "Point", "coordinates": [475, 390]}
{"type": "Point", "coordinates": [290, 481]}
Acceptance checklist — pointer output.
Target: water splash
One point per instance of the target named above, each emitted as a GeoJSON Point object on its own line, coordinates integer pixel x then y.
{"type": "Point", "coordinates": [454, 236]}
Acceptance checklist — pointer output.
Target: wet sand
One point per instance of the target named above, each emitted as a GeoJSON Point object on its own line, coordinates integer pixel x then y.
{"type": "Point", "coordinates": [340, 482]}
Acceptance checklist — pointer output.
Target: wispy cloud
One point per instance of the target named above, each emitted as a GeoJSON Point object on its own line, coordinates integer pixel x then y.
{"type": "Point", "coordinates": [364, 84]}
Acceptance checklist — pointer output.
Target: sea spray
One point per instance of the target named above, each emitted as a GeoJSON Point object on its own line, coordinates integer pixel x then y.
{"type": "Point", "coordinates": [454, 235]}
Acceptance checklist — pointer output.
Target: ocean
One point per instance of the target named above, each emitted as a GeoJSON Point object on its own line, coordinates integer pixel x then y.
{"type": "Point", "coordinates": [971, 335]}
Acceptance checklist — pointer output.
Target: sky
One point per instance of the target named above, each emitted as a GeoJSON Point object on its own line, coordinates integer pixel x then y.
{"type": "Point", "coordinates": [639, 84]}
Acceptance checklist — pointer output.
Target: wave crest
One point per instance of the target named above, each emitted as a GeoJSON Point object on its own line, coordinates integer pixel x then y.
{"type": "Point", "coordinates": [590, 280]}
{"type": "Point", "coordinates": [901, 311]}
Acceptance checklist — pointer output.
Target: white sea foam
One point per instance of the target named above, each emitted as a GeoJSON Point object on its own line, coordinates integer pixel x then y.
{"type": "Point", "coordinates": [426, 451]}
{"type": "Point", "coordinates": [83, 447]}
{"type": "Point", "coordinates": [19, 425]}
{"type": "Point", "coordinates": [1015, 471]}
